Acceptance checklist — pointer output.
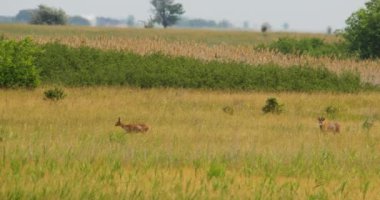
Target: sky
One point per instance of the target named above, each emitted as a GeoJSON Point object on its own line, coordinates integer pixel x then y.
{"type": "Point", "coordinates": [301, 15]}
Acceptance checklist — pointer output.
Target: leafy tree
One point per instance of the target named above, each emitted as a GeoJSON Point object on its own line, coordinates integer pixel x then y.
{"type": "Point", "coordinates": [166, 12]}
{"type": "Point", "coordinates": [363, 31]}
{"type": "Point", "coordinates": [49, 16]}
{"type": "Point", "coordinates": [265, 27]}
{"type": "Point", "coordinates": [78, 20]}
{"type": "Point", "coordinates": [25, 16]}
{"type": "Point", "coordinates": [131, 20]}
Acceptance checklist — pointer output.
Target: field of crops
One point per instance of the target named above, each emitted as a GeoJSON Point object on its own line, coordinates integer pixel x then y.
{"type": "Point", "coordinates": [195, 149]}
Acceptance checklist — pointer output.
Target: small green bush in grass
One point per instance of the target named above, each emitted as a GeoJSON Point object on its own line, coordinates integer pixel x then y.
{"type": "Point", "coordinates": [272, 106]}
{"type": "Point", "coordinates": [55, 94]}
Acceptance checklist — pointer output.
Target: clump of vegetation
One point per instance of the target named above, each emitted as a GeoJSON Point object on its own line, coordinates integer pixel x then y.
{"type": "Point", "coordinates": [272, 106]}
{"type": "Point", "coordinates": [229, 110]}
{"type": "Point", "coordinates": [308, 46]}
{"type": "Point", "coordinates": [332, 111]}
{"type": "Point", "coordinates": [216, 170]}
{"type": "Point", "coordinates": [17, 63]}
{"type": "Point", "coordinates": [55, 94]}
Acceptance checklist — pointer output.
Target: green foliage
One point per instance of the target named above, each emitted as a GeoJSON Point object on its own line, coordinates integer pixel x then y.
{"type": "Point", "coordinates": [55, 94]}
{"type": "Point", "coordinates": [363, 31]}
{"type": "Point", "coordinates": [216, 170]}
{"type": "Point", "coordinates": [49, 16]}
{"type": "Point", "coordinates": [78, 20]}
{"type": "Point", "coordinates": [25, 16]}
{"type": "Point", "coordinates": [332, 111]}
{"type": "Point", "coordinates": [272, 106]}
{"type": "Point", "coordinates": [17, 63]}
{"type": "Point", "coordinates": [308, 46]}
{"type": "Point", "coordinates": [166, 12]}
{"type": "Point", "coordinates": [86, 66]}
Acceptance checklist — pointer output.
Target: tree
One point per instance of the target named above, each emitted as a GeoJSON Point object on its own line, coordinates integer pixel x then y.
{"type": "Point", "coordinates": [265, 27]}
{"type": "Point", "coordinates": [78, 20]}
{"type": "Point", "coordinates": [166, 12]}
{"type": "Point", "coordinates": [25, 16]}
{"type": "Point", "coordinates": [49, 16]}
{"type": "Point", "coordinates": [363, 31]}
{"type": "Point", "coordinates": [130, 21]}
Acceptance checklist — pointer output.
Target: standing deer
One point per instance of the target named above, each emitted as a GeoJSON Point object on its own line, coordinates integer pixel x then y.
{"type": "Point", "coordinates": [132, 128]}
{"type": "Point", "coordinates": [325, 125]}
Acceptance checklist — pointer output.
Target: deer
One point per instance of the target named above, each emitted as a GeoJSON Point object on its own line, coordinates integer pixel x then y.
{"type": "Point", "coordinates": [327, 126]}
{"type": "Point", "coordinates": [132, 128]}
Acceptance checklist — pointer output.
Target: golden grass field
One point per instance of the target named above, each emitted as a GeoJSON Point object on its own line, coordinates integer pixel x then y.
{"type": "Point", "coordinates": [236, 46]}
{"type": "Point", "coordinates": [71, 149]}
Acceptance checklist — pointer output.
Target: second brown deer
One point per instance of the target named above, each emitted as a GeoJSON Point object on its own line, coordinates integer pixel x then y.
{"type": "Point", "coordinates": [327, 126]}
{"type": "Point", "coordinates": [132, 128]}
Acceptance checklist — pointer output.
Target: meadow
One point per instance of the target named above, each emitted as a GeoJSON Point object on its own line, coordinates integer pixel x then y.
{"type": "Point", "coordinates": [71, 148]}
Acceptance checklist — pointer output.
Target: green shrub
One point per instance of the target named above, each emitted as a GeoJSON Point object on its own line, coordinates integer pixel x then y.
{"type": "Point", "coordinates": [17, 63]}
{"type": "Point", "coordinates": [332, 111]}
{"type": "Point", "coordinates": [308, 46]}
{"type": "Point", "coordinates": [272, 106]}
{"type": "Point", "coordinates": [55, 94]}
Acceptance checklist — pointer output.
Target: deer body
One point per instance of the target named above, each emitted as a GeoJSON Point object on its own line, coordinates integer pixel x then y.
{"type": "Point", "coordinates": [132, 128]}
{"type": "Point", "coordinates": [327, 126]}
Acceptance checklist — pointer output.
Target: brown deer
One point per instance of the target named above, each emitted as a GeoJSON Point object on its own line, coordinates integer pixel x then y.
{"type": "Point", "coordinates": [327, 126]}
{"type": "Point", "coordinates": [132, 128]}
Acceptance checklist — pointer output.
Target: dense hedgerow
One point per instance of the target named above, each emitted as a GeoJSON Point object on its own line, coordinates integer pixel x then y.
{"type": "Point", "coordinates": [308, 46]}
{"type": "Point", "coordinates": [17, 63]}
{"type": "Point", "coordinates": [85, 66]}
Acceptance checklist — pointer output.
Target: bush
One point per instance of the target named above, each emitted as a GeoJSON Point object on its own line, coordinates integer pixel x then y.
{"type": "Point", "coordinates": [55, 94]}
{"type": "Point", "coordinates": [228, 110]}
{"type": "Point", "coordinates": [308, 46]}
{"type": "Point", "coordinates": [363, 31]}
{"type": "Point", "coordinates": [332, 111]}
{"type": "Point", "coordinates": [272, 106]}
{"type": "Point", "coordinates": [17, 63]}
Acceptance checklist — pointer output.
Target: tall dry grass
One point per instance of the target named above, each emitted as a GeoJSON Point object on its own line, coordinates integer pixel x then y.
{"type": "Point", "coordinates": [71, 149]}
